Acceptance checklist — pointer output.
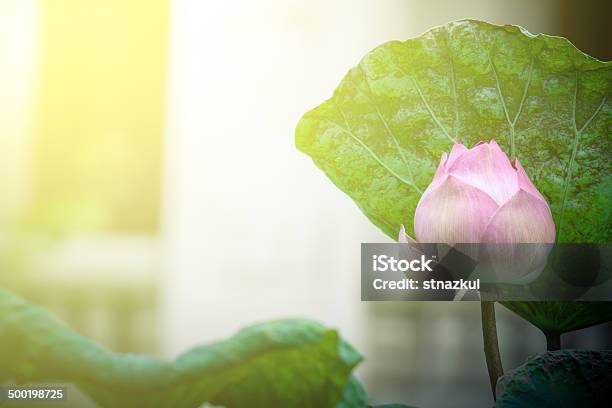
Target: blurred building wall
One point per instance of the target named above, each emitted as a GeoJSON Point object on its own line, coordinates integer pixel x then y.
{"type": "Point", "coordinates": [253, 230]}
{"type": "Point", "coordinates": [81, 125]}
{"type": "Point", "coordinates": [99, 121]}
{"type": "Point", "coordinates": [587, 24]}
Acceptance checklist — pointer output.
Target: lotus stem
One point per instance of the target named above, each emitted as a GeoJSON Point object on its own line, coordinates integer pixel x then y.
{"type": "Point", "coordinates": [491, 346]}
{"type": "Point", "coordinates": [553, 340]}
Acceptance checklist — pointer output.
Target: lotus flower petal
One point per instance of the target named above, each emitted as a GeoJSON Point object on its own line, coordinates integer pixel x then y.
{"type": "Point", "coordinates": [524, 218]}
{"type": "Point", "coordinates": [441, 170]}
{"type": "Point", "coordinates": [410, 251]}
{"type": "Point", "coordinates": [457, 150]}
{"type": "Point", "coordinates": [487, 167]}
{"type": "Point", "coordinates": [439, 176]}
{"type": "Point", "coordinates": [453, 212]}
{"type": "Point", "coordinates": [524, 183]}
{"type": "Point", "coordinates": [513, 263]}
{"type": "Point", "coordinates": [405, 238]}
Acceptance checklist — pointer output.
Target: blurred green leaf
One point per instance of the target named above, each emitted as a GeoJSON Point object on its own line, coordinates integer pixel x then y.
{"type": "Point", "coordinates": [354, 395]}
{"type": "Point", "coordinates": [381, 135]}
{"type": "Point", "coordinates": [276, 364]}
{"type": "Point", "coordinates": [392, 406]}
{"type": "Point", "coordinates": [565, 378]}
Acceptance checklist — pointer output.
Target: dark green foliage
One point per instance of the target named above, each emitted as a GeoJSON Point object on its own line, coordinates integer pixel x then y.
{"type": "Point", "coordinates": [562, 317]}
{"type": "Point", "coordinates": [565, 378]}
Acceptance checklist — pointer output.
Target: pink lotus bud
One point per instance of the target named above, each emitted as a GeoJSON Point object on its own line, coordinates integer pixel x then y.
{"type": "Point", "coordinates": [478, 196]}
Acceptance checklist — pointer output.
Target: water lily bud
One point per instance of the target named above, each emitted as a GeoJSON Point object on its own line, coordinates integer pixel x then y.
{"type": "Point", "coordinates": [478, 196]}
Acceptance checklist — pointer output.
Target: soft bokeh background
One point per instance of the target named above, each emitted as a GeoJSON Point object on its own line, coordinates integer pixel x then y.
{"type": "Point", "coordinates": [153, 198]}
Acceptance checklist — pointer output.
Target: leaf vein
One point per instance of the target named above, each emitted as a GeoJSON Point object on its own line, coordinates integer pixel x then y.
{"type": "Point", "coordinates": [374, 104]}
{"type": "Point", "coordinates": [429, 109]}
{"type": "Point", "coordinates": [575, 147]}
{"type": "Point", "coordinates": [601, 104]}
{"type": "Point", "coordinates": [349, 132]}
{"type": "Point", "coordinates": [525, 91]}
{"type": "Point", "coordinates": [570, 163]}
